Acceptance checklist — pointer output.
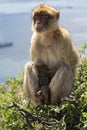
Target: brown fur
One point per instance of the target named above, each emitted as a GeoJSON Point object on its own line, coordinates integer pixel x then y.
{"type": "Point", "coordinates": [54, 48]}
{"type": "Point", "coordinates": [44, 78]}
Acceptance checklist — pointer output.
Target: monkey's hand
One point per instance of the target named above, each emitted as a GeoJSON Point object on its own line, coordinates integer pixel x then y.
{"type": "Point", "coordinates": [39, 93]}
{"type": "Point", "coordinates": [40, 96]}
{"type": "Point", "coordinates": [44, 95]}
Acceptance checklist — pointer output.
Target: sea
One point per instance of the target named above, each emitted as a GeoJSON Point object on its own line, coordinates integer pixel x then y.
{"type": "Point", "coordinates": [16, 27]}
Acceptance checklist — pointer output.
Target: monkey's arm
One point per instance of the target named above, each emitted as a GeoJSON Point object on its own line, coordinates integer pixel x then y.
{"type": "Point", "coordinates": [68, 50]}
{"type": "Point", "coordinates": [30, 79]}
{"type": "Point", "coordinates": [72, 56]}
{"type": "Point", "coordinates": [31, 86]}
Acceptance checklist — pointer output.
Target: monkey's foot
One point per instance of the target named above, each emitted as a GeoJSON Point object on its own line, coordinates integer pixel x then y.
{"type": "Point", "coordinates": [69, 99]}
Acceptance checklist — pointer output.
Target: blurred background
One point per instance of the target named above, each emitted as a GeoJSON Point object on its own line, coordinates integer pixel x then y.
{"type": "Point", "coordinates": [15, 28]}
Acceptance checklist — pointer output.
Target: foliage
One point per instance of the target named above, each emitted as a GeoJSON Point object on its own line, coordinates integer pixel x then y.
{"type": "Point", "coordinates": [66, 116]}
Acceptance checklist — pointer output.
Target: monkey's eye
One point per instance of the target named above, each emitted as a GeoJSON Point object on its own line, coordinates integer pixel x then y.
{"type": "Point", "coordinates": [35, 16]}
{"type": "Point", "coordinates": [40, 16]}
{"type": "Point", "coordinates": [44, 15]}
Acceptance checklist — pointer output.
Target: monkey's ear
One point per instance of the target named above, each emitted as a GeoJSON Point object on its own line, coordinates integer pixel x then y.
{"type": "Point", "coordinates": [57, 14]}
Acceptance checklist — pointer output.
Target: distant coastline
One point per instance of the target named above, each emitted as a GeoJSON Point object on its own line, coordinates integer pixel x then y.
{"type": "Point", "coordinates": [6, 44]}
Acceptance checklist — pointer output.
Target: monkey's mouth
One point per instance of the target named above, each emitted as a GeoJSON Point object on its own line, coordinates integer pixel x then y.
{"type": "Point", "coordinates": [39, 27]}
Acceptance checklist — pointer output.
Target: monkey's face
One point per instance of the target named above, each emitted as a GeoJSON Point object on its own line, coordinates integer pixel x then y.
{"type": "Point", "coordinates": [41, 21]}
{"type": "Point", "coordinates": [44, 17]}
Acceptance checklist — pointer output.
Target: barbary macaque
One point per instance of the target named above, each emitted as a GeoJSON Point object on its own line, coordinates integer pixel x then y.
{"type": "Point", "coordinates": [44, 79]}
{"type": "Point", "coordinates": [52, 50]}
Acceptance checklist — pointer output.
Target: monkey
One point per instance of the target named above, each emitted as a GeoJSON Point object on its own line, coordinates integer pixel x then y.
{"type": "Point", "coordinates": [51, 45]}
{"type": "Point", "coordinates": [43, 82]}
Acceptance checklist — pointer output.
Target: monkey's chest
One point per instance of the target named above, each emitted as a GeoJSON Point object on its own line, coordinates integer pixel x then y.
{"type": "Point", "coordinates": [49, 56]}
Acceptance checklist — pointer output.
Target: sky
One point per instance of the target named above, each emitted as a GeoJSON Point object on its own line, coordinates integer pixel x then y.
{"type": "Point", "coordinates": [13, 1]}
{"type": "Point", "coordinates": [18, 6]}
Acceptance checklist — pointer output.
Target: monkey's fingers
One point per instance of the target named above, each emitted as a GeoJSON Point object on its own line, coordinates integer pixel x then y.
{"type": "Point", "coordinates": [39, 93]}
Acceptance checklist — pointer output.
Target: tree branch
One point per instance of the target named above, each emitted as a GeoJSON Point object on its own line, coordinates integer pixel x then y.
{"type": "Point", "coordinates": [28, 116]}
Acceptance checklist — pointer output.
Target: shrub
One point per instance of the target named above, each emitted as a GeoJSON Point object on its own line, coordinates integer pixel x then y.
{"type": "Point", "coordinates": [69, 115]}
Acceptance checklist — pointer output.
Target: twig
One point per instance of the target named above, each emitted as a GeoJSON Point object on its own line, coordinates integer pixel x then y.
{"type": "Point", "coordinates": [28, 116]}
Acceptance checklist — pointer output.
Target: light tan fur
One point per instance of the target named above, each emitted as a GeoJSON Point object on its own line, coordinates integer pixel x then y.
{"type": "Point", "coordinates": [54, 48]}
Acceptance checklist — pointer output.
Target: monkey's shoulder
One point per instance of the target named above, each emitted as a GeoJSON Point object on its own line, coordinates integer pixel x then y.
{"type": "Point", "coordinates": [61, 33]}
{"type": "Point", "coordinates": [55, 37]}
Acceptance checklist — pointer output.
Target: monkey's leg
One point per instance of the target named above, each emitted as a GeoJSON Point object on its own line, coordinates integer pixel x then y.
{"type": "Point", "coordinates": [31, 83]}
{"type": "Point", "coordinates": [61, 83]}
